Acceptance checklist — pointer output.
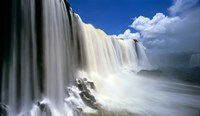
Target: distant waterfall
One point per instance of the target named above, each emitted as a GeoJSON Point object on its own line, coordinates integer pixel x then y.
{"type": "Point", "coordinates": [49, 47]}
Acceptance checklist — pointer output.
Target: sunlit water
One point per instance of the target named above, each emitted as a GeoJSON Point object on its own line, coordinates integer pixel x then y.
{"type": "Point", "coordinates": [44, 65]}
{"type": "Point", "coordinates": [128, 94]}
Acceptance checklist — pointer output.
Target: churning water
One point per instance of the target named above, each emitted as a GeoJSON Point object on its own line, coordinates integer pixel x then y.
{"type": "Point", "coordinates": [50, 48]}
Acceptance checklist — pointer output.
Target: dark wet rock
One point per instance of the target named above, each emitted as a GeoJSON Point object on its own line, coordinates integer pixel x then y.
{"type": "Point", "coordinates": [44, 108]}
{"type": "Point", "coordinates": [80, 84]}
{"type": "Point", "coordinates": [3, 110]}
{"type": "Point", "coordinates": [88, 84]}
{"type": "Point", "coordinates": [81, 87]}
{"type": "Point", "coordinates": [91, 85]}
{"type": "Point", "coordinates": [135, 40]}
{"type": "Point", "coordinates": [88, 99]}
{"type": "Point", "coordinates": [84, 87]}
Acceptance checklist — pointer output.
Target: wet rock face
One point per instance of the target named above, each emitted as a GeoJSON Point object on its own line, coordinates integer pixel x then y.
{"type": "Point", "coordinates": [135, 40]}
{"type": "Point", "coordinates": [84, 87]}
{"type": "Point", "coordinates": [3, 110]}
{"type": "Point", "coordinates": [84, 84]}
{"type": "Point", "coordinates": [44, 108]}
{"type": "Point", "coordinates": [88, 99]}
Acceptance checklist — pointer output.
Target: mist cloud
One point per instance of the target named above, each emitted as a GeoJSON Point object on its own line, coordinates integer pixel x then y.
{"type": "Point", "coordinates": [181, 6]}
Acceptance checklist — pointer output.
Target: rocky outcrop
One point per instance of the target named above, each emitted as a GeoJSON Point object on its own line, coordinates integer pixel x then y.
{"type": "Point", "coordinates": [45, 109]}
{"type": "Point", "coordinates": [3, 110]}
{"type": "Point", "coordinates": [84, 87]}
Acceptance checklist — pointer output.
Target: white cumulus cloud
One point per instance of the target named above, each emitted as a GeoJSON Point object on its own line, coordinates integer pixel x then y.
{"type": "Point", "coordinates": [128, 35]}
{"type": "Point", "coordinates": [178, 32]}
{"type": "Point", "coordinates": [150, 28]}
{"type": "Point", "coordinates": [175, 33]}
{"type": "Point", "coordinates": [156, 32]}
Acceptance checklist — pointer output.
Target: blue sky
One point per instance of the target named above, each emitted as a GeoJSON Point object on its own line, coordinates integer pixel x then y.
{"type": "Point", "coordinates": [114, 16]}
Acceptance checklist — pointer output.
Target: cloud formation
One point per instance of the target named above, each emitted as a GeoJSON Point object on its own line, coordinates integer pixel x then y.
{"type": "Point", "coordinates": [170, 40]}
{"type": "Point", "coordinates": [179, 32]}
{"type": "Point", "coordinates": [150, 28]}
{"type": "Point", "coordinates": [128, 35]}
{"type": "Point", "coordinates": [171, 33]}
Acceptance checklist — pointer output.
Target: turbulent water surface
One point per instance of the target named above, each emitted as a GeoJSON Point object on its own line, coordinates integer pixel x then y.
{"type": "Point", "coordinates": [55, 65]}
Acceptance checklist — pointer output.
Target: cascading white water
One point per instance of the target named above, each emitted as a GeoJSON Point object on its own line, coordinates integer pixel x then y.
{"type": "Point", "coordinates": [71, 49]}
{"type": "Point", "coordinates": [93, 50]}
{"type": "Point", "coordinates": [55, 48]}
{"type": "Point", "coordinates": [20, 74]}
{"type": "Point", "coordinates": [69, 46]}
{"type": "Point", "coordinates": [106, 54]}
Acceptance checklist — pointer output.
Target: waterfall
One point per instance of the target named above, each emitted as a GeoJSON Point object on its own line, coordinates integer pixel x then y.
{"type": "Point", "coordinates": [49, 47]}
{"type": "Point", "coordinates": [49, 52]}
{"type": "Point", "coordinates": [20, 83]}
